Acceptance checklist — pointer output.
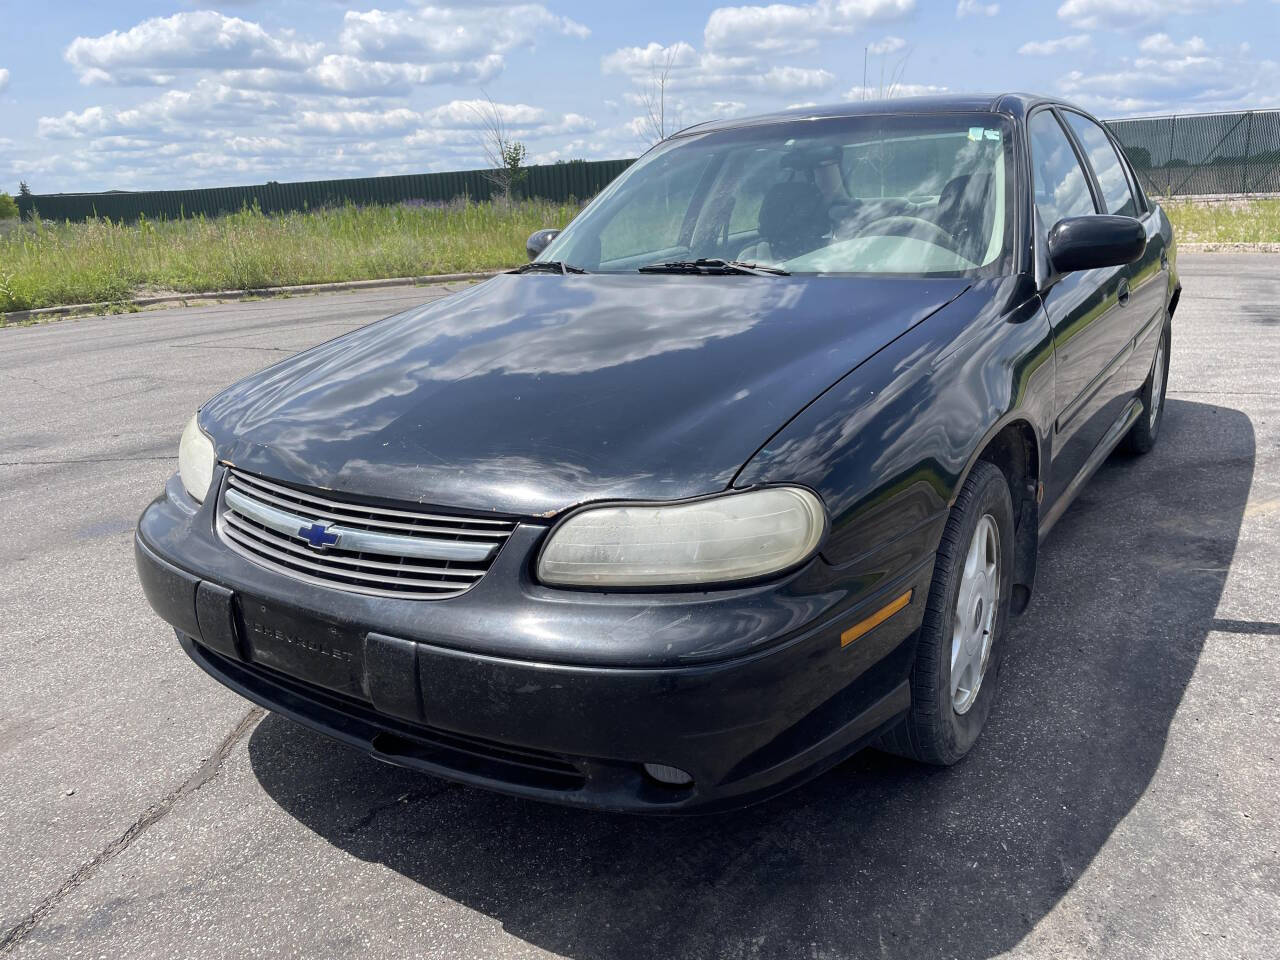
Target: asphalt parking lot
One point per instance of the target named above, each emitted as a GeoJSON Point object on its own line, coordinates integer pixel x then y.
{"type": "Point", "coordinates": [1122, 802]}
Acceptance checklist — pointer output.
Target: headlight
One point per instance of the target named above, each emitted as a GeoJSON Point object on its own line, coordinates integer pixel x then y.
{"type": "Point", "coordinates": [195, 460]}
{"type": "Point", "coordinates": [732, 537]}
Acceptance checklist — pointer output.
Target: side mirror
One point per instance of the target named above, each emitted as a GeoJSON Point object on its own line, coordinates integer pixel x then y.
{"type": "Point", "coordinates": [539, 241]}
{"type": "Point", "coordinates": [1086, 243]}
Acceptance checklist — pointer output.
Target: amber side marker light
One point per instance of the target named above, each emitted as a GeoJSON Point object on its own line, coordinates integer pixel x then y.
{"type": "Point", "coordinates": [873, 621]}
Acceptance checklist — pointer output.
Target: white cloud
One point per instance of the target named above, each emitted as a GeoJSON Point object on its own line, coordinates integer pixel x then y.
{"type": "Point", "coordinates": [245, 102]}
{"type": "Point", "coordinates": [1164, 44]}
{"type": "Point", "coordinates": [197, 132]}
{"type": "Point", "coordinates": [779, 80]}
{"type": "Point", "coordinates": [1045, 48]}
{"type": "Point", "coordinates": [360, 123]}
{"type": "Point", "coordinates": [573, 150]}
{"type": "Point", "coordinates": [469, 113]}
{"type": "Point", "coordinates": [567, 123]}
{"type": "Point", "coordinates": [208, 104]}
{"type": "Point", "coordinates": [71, 124]}
{"type": "Point", "coordinates": [201, 39]}
{"type": "Point", "coordinates": [887, 45]}
{"type": "Point", "coordinates": [440, 33]}
{"type": "Point", "coordinates": [438, 124]}
{"type": "Point", "coordinates": [1177, 84]}
{"type": "Point", "coordinates": [383, 53]}
{"type": "Point", "coordinates": [693, 70]}
{"type": "Point", "coordinates": [343, 74]}
{"type": "Point", "coordinates": [790, 28]}
{"type": "Point", "coordinates": [223, 99]}
{"type": "Point", "coordinates": [860, 92]}
{"type": "Point", "coordinates": [972, 8]}
{"type": "Point", "coordinates": [637, 62]}
{"type": "Point", "coordinates": [4, 79]}
{"type": "Point", "coordinates": [745, 51]}
{"type": "Point", "coordinates": [1090, 14]}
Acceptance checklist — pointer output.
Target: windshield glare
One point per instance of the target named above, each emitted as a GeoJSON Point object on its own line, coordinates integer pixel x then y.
{"type": "Point", "coordinates": [917, 195]}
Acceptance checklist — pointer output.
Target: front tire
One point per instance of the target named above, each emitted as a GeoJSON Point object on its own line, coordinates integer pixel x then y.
{"type": "Point", "coordinates": [961, 640]}
{"type": "Point", "coordinates": [1146, 429]}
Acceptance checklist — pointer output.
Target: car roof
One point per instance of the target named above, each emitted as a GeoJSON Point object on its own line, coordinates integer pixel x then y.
{"type": "Point", "coordinates": [1012, 104]}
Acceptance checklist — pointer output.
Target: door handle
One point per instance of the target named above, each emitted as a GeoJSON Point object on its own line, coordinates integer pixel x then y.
{"type": "Point", "coordinates": [1122, 293]}
{"type": "Point", "coordinates": [1164, 259]}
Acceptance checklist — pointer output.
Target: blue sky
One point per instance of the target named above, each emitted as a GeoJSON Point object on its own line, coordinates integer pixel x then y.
{"type": "Point", "coordinates": [141, 95]}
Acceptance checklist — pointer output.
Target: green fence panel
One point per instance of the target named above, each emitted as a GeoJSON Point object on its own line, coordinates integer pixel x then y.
{"type": "Point", "coordinates": [557, 182]}
{"type": "Point", "coordinates": [1204, 154]}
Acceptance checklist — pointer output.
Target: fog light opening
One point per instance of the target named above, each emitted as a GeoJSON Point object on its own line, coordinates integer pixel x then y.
{"type": "Point", "coordinates": [668, 775]}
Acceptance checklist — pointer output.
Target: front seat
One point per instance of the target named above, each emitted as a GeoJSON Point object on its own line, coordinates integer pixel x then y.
{"type": "Point", "coordinates": [965, 212]}
{"type": "Point", "coordinates": [793, 220]}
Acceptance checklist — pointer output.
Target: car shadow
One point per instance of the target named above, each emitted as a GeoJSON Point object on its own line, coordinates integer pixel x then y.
{"type": "Point", "coordinates": [879, 855]}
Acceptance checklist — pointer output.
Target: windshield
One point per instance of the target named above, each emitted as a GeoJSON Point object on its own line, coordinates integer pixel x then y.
{"type": "Point", "coordinates": [917, 195]}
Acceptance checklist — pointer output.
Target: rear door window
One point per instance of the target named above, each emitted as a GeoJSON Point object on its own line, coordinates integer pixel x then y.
{"type": "Point", "coordinates": [1106, 163]}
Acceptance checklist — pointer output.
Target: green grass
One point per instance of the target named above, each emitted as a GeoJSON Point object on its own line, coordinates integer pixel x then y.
{"type": "Point", "coordinates": [1245, 221]}
{"type": "Point", "coordinates": [45, 265]}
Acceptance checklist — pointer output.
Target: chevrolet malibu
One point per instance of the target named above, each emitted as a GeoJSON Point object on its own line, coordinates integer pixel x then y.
{"type": "Point", "coordinates": [745, 471]}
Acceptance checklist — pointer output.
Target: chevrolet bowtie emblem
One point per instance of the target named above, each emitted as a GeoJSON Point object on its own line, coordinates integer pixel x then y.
{"type": "Point", "coordinates": [318, 536]}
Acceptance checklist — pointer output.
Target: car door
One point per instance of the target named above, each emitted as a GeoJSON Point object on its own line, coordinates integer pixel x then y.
{"type": "Point", "coordinates": [1148, 280]}
{"type": "Point", "coordinates": [1086, 309]}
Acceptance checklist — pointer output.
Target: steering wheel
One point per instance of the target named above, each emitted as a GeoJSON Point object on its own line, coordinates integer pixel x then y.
{"type": "Point", "coordinates": [897, 225]}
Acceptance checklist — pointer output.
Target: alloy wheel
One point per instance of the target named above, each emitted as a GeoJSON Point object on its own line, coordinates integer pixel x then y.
{"type": "Point", "coordinates": [975, 614]}
{"type": "Point", "coordinates": [1157, 383]}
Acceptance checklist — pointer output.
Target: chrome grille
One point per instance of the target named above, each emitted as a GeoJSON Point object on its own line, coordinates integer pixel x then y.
{"type": "Point", "coordinates": [378, 551]}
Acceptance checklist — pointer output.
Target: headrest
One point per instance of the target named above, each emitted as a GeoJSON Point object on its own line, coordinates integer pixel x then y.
{"type": "Point", "coordinates": [792, 210]}
{"type": "Point", "coordinates": [967, 189]}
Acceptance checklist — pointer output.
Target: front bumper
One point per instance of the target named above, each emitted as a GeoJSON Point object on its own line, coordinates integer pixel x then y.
{"type": "Point", "coordinates": [750, 691]}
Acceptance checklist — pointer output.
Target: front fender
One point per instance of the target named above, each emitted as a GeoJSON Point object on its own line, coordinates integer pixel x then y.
{"type": "Point", "coordinates": [889, 446]}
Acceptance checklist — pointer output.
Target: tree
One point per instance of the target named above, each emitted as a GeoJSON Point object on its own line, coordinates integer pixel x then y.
{"type": "Point", "coordinates": [895, 86]}
{"type": "Point", "coordinates": [656, 124]}
{"type": "Point", "coordinates": [505, 155]}
{"type": "Point", "coordinates": [23, 189]}
{"type": "Point", "coordinates": [8, 207]}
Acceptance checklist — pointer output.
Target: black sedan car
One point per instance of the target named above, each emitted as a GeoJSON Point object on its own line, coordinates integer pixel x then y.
{"type": "Point", "coordinates": [745, 472]}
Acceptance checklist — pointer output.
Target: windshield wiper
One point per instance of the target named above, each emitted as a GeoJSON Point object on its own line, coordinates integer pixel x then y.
{"type": "Point", "coordinates": [547, 266]}
{"type": "Point", "coordinates": [713, 265]}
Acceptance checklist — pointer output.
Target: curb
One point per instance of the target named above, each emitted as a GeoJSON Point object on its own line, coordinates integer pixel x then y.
{"type": "Point", "coordinates": [17, 316]}
{"type": "Point", "coordinates": [1228, 247]}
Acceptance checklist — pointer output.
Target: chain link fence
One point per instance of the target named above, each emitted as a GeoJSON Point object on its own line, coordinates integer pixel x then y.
{"type": "Point", "coordinates": [1204, 154]}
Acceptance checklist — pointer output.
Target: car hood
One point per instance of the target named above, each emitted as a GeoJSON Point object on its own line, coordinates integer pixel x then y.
{"type": "Point", "coordinates": [528, 394]}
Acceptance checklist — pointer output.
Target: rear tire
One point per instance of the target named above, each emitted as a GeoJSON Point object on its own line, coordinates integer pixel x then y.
{"type": "Point", "coordinates": [1145, 431]}
{"type": "Point", "coordinates": [961, 640]}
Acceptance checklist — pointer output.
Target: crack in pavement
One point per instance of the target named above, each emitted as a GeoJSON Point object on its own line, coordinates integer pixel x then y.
{"type": "Point", "coordinates": [413, 797]}
{"type": "Point", "coordinates": [207, 772]}
{"type": "Point", "coordinates": [54, 463]}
